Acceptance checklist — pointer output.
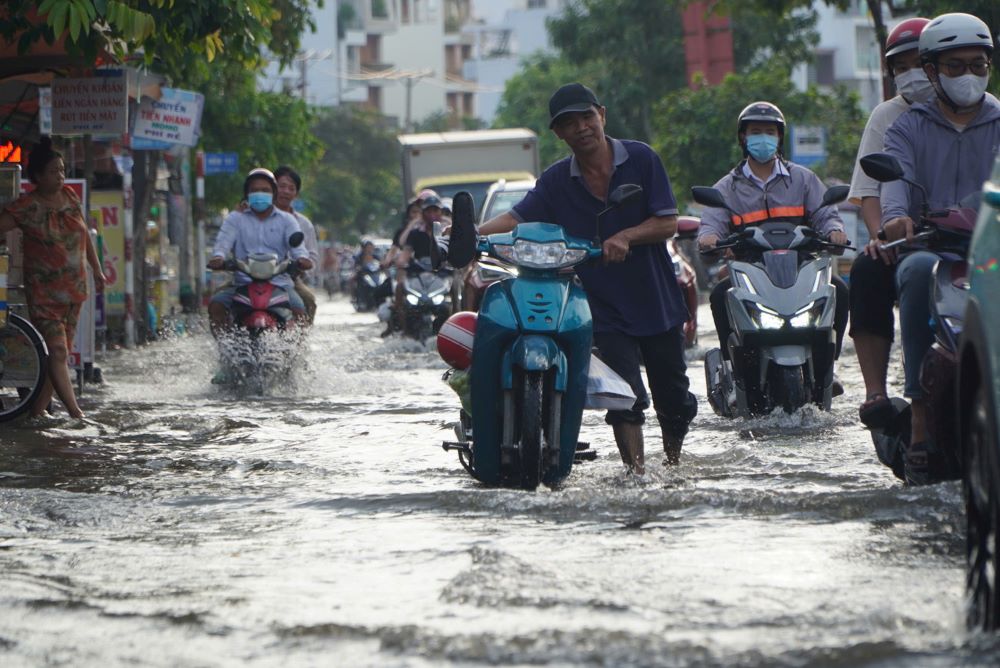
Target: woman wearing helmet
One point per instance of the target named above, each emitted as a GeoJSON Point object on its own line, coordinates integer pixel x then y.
{"type": "Point", "coordinates": [948, 147]}
{"type": "Point", "coordinates": [871, 306]}
{"type": "Point", "coordinates": [765, 187]}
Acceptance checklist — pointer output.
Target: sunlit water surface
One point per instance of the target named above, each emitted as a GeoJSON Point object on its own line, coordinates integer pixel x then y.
{"type": "Point", "coordinates": [323, 525]}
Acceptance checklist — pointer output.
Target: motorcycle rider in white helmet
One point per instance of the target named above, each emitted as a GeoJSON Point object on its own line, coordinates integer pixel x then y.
{"type": "Point", "coordinates": [948, 146]}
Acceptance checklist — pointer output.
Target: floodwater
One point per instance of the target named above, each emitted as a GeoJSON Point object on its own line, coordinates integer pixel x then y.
{"type": "Point", "coordinates": [324, 525]}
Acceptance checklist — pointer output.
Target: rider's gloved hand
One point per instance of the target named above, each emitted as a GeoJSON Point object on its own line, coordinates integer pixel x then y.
{"type": "Point", "coordinates": [707, 242]}
{"type": "Point", "coordinates": [304, 263]}
{"type": "Point", "coordinates": [216, 263]}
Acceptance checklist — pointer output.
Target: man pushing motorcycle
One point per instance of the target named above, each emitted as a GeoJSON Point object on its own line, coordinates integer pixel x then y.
{"type": "Point", "coordinates": [765, 187]}
{"type": "Point", "coordinates": [637, 306]}
{"type": "Point", "coordinates": [261, 229]}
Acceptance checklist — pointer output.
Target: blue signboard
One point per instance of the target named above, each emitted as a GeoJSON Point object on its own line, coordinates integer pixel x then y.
{"type": "Point", "coordinates": [808, 145]}
{"type": "Point", "coordinates": [221, 163]}
{"type": "Point", "coordinates": [143, 144]}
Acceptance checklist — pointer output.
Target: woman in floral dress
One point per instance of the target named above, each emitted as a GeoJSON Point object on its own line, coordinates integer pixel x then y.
{"type": "Point", "coordinates": [56, 245]}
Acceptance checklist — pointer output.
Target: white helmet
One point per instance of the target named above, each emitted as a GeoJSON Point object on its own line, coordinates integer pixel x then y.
{"type": "Point", "coordinates": [954, 31]}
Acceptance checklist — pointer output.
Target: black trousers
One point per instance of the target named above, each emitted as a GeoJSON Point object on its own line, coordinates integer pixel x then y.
{"type": "Point", "coordinates": [663, 357]}
{"type": "Point", "coordinates": [873, 297]}
{"type": "Point", "coordinates": [717, 300]}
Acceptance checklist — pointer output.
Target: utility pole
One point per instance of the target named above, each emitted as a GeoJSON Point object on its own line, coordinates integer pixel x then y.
{"type": "Point", "coordinates": [199, 214]}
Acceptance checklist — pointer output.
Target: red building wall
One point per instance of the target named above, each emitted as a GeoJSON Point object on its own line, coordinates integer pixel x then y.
{"type": "Point", "coordinates": [708, 44]}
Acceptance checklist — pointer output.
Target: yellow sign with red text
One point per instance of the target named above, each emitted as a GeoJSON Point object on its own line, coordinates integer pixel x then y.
{"type": "Point", "coordinates": [107, 209]}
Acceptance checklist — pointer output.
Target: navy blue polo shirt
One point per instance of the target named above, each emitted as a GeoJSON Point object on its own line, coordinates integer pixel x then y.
{"type": "Point", "coordinates": [637, 297]}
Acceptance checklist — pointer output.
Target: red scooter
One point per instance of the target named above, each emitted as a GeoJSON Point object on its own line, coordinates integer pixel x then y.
{"type": "Point", "coordinates": [261, 348]}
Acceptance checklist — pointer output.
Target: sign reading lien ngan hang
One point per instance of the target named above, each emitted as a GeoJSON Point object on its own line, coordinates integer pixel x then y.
{"type": "Point", "coordinates": [174, 119]}
{"type": "Point", "coordinates": [96, 105]}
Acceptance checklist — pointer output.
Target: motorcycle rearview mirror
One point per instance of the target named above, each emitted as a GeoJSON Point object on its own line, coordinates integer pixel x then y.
{"type": "Point", "coordinates": [882, 167]}
{"type": "Point", "coordinates": [295, 240]}
{"type": "Point", "coordinates": [620, 195]}
{"type": "Point", "coordinates": [835, 194]}
{"type": "Point", "coordinates": [710, 197]}
{"type": "Point", "coordinates": [462, 244]}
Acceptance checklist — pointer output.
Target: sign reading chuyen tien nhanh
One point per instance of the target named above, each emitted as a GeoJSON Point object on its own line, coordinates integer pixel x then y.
{"type": "Point", "coordinates": [175, 118]}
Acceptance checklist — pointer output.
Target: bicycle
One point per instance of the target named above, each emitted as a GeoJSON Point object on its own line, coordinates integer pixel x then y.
{"type": "Point", "coordinates": [24, 358]}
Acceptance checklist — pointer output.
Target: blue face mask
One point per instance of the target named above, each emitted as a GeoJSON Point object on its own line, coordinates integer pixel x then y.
{"type": "Point", "coordinates": [260, 202]}
{"type": "Point", "coordinates": [762, 147]}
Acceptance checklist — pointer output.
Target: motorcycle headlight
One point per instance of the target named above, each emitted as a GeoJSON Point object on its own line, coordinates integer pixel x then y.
{"type": "Point", "coordinates": [412, 299]}
{"type": "Point", "coordinates": [541, 256]}
{"type": "Point", "coordinates": [764, 317]}
{"type": "Point", "coordinates": [808, 314]}
{"type": "Point", "coordinates": [437, 299]}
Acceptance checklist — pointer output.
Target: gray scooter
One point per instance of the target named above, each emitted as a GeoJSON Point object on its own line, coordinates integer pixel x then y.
{"type": "Point", "coordinates": [781, 310]}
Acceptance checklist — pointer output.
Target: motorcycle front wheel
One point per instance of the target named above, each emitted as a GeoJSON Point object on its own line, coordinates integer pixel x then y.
{"type": "Point", "coordinates": [788, 387]}
{"type": "Point", "coordinates": [532, 431]}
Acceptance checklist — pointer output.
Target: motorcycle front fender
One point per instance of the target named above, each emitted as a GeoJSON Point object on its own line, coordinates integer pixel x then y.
{"type": "Point", "coordinates": [534, 353]}
{"type": "Point", "coordinates": [787, 355]}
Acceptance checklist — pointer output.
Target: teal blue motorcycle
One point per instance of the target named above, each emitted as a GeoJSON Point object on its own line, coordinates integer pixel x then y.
{"type": "Point", "coordinates": [530, 355]}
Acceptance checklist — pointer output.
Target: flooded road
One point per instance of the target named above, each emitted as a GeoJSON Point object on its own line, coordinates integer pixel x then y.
{"type": "Point", "coordinates": [324, 525]}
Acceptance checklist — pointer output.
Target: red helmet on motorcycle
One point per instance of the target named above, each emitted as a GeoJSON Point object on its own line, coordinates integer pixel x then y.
{"type": "Point", "coordinates": [905, 36]}
{"type": "Point", "coordinates": [454, 339]}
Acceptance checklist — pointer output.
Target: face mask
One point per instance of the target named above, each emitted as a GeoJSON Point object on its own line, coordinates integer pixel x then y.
{"type": "Point", "coordinates": [965, 90]}
{"type": "Point", "coordinates": [915, 86]}
{"type": "Point", "coordinates": [762, 147]}
{"type": "Point", "coordinates": [260, 202]}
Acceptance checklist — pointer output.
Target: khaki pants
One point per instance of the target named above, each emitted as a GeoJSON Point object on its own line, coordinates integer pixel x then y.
{"type": "Point", "coordinates": [308, 297]}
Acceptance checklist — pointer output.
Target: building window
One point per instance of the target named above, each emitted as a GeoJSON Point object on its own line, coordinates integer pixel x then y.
{"type": "Point", "coordinates": [822, 70]}
{"type": "Point", "coordinates": [868, 57]}
{"type": "Point", "coordinates": [380, 9]}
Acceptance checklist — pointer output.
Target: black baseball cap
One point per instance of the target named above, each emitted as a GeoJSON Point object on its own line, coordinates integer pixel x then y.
{"type": "Point", "coordinates": [569, 98]}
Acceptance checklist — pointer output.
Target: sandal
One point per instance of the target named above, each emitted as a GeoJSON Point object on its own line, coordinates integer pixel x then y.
{"type": "Point", "coordinates": [876, 412]}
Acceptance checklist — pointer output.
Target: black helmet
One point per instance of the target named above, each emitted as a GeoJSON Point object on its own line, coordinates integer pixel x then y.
{"type": "Point", "coordinates": [430, 201]}
{"type": "Point", "coordinates": [260, 173]}
{"type": "Point", "coordinates": [764, 112]}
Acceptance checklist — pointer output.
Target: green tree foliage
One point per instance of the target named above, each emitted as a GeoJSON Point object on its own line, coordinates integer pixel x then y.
{"type": "Point", "coordinates": [176, 33]}
{"type": "Point", "coordinates": [356, 187]}
{"type": "Point", "coordinates": [525, 100]}
{"type": "Point", "coordinates": [265, 129]}
{"type": "Point", "coordinates": [634, 46]}
{"type": "Point", "coordinates": [696, 129]}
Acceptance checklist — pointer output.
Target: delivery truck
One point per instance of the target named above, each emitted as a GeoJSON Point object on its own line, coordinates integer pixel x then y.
{"type": "Point", "coordinates": [449, 162]}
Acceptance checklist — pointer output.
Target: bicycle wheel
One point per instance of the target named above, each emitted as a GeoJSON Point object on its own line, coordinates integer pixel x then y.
{"type": "Point", "coordinates": [24, 366]}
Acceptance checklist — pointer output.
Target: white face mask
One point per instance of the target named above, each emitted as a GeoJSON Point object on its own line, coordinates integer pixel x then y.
{"type": "Point", "coordinates": [914, 85]}
{"type": "Point", "coordinates": [965, 90]}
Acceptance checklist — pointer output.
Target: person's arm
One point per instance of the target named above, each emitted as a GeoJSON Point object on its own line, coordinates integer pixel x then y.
{"type": "Point", "coordinates": [655, 229]}
{"type": "Point", "coordinates": [95, 264]}
{"type": "Point", "coordinates": [895, 198]}
{"type": "Point", "coordinates": [505, 222]}
{"type": "Point", "coordinates": [299, 253]}
{"type": "Point", "coordinates": [224, 243]}
{"type": "Point", "coordinates": [824, 219]}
